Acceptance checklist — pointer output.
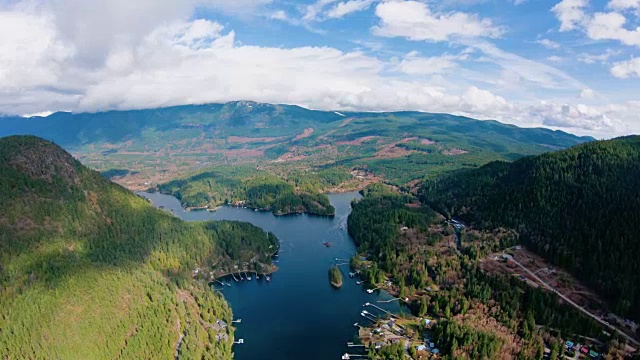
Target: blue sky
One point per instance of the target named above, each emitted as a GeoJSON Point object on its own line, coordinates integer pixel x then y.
{"type": "Point", "coordinates": [564, 64]}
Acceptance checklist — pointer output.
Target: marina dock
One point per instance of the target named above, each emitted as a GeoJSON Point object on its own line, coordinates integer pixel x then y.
{"type": "Point", "coordinates": [381, 309]}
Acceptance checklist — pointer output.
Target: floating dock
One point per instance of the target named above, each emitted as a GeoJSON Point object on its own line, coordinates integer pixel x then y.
{"type": "Point", "coordinates": [381, 309]}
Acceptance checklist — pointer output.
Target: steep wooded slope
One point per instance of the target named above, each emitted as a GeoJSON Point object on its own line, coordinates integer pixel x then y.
{"type": "Point", "coordinates": [89, 270]}
{"type": "Point", "coordinates": [580, 208]}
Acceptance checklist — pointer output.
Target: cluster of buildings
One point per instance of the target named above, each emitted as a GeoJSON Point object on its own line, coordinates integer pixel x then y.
{"type": "Point", "coordinates": [221, 328]}
{"type": "Point", "coordinates": [198, 271]}
{"type": "Point", "coordinates": [387, 333]}
{"type": "Point", "coordinates": [581, 349]}
{"type": "Point", "coordinates": [428, 346]}
{"type": "Point", "coordinates": [390, 332]}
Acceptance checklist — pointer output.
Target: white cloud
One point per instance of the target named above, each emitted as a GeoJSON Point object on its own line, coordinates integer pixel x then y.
{"type": "Point", "coordinates": [416, 65]}
{"type": "Point", "coordinates": [31, 54]}
{"type": "Point", "coordinates": [626, 69]}
{"type": "Point", "coordinates": [602, 58]}
{"type": "Point", "coordinates": [95, 27]}
{"type": "Point", "coordinates": [587, 94]}
{"type": "Point", "coordinates": [623, 4]}
{"type": "Point", "coordinates": [416, 21]}
{"type": "Point", "coordinates": [198, 62]}
{"type": "Point", "coordinates": [549, 44]}
{"type": "Point", "coordinates": [175, 60]}
{"type": "Point", "coordinates": [169, 73]}
{"type": "Point", "coordinates": [475, 101]}
{"type": "Point", "coordinates": [322, 10]}
{"type": "Point", "coordinates": [344, 8]}
{"type": "Point", "coordinates": [314, 11]}
{"type": "Point", "coordinates": [514, 74]}
{"type": "Point", "coordinates": [610, 26]}
{"type": "Point", "coordinates": [555, 59]}
{"type": "Point", "coordinates": [580, 116]}
{"type": "Point", "coordinates": [279, 15]}
{"type": "Point", "coordinates": [599, 25]}
{"type": "Point", "coordinates": [525, 70]}
{"type": "Point", "coordinates": [570, 13]}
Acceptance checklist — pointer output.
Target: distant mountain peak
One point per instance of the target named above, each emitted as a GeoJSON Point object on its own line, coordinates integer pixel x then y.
{"type": "Point", "coordinates": [249, 104]}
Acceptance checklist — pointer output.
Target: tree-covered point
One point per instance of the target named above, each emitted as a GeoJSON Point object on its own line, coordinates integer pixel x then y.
{"type": "Point", "coordinates": [376, 219]}
{"type": "Point", "coordinates": [253, 188]}
{"type": "Point", "coordinates": [579, 208]}
{"type": "Point", "coordinates": [90, 270]}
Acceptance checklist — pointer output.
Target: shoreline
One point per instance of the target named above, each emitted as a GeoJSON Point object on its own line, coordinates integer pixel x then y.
{"type": "Point", "coordinates": [291, 213]}
{"type": "Point", "coordinates": [273, 269]}
{"type": "Point", "coordinates": [216, 277]}
{"type": "Point", "coordinates": [219, 206]}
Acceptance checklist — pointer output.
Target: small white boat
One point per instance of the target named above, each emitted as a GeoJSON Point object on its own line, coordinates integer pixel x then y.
{"type": "Point", "coordinates": [268, 278]}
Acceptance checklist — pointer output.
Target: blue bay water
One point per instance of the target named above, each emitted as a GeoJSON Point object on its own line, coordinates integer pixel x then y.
{"type": "Point", "coordinates": [297, 315]}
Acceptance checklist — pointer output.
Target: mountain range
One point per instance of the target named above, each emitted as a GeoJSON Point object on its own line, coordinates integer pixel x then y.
{"type": "Point", "coordinates": [158, 145]}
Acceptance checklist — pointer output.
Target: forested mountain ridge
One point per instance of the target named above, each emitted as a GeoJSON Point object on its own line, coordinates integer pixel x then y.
{"type": "Point", "coordinates": [72, 130]}
{"type": "Point", "coordinates": [159, 145]}
{"type": "Point", "coordinates": [90, 270]}
{"type": "Point", "coordinates": [579, 208]}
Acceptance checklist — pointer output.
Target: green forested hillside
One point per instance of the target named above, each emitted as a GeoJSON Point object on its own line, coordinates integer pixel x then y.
{"type": "Point", "coordinates": [580, 208]}
{"type": "Point", "coordinates": [89, 270]}
{"type": "Point", "coordinates": [410, 250]}
{"type": "Point", "coordinates": [160, 145]}
{"type": "Point", "coordinates": [375, 221]}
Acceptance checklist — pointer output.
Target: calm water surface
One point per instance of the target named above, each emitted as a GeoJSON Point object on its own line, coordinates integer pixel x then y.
{"type": "Point", "coordinates": [297, 315]}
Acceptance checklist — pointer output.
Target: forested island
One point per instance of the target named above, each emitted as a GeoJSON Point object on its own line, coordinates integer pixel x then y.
{"type": "Point", "coordinates": [335, 277]}
{"type": "Point", "coordinates": [251, 188]}
{"type": "Point", "coordinates": [90, 270]}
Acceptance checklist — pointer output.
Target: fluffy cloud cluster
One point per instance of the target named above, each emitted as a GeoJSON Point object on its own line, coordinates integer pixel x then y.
{"type": "Point", "coordinates": [416, 21]}
{"type": "Point", "coordinates": [152, 55]}
{"type": "Point", "coordinates": [30, 53]}
{"type": "Point", "coordinates": [625, 69]}
{"type": "Point", "coordinates": [610, 25]}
